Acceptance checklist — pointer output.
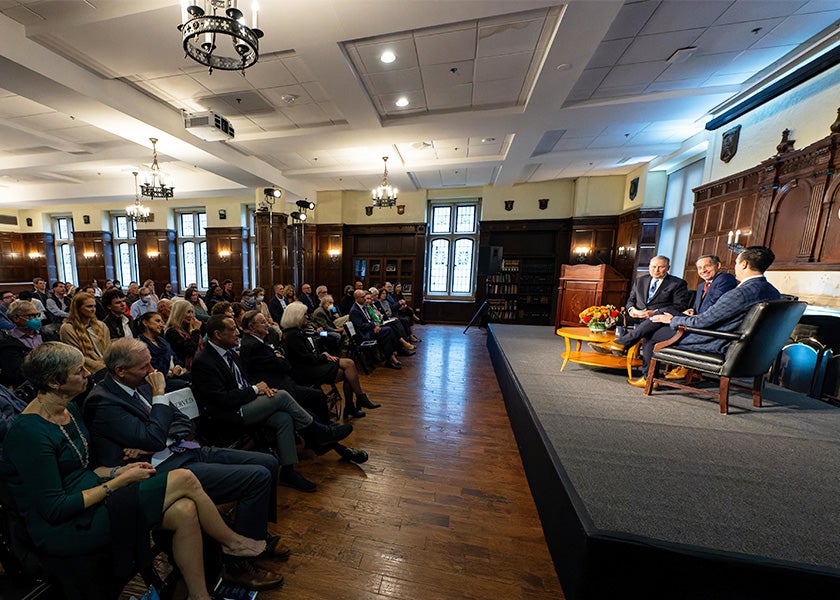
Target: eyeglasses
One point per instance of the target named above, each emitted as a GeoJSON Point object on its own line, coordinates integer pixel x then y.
{"type": "Point", "coordinates": [28, 316]}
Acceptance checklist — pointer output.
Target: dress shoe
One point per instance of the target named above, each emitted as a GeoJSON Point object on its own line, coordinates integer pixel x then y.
{"type": "Point", "coordinates": [405, 352]}
{"type": "Point", "coordinates": [353, 413]}
{"type": "Point", "coordinates": [391, 365]}
{"type": "Point", "coordinates": [600, 347]}
{"type": "Point", "coordinates": [641, 382]}
{"type": "Point", "coordinates": [274, 550]}
{"type": "Point", "coordinates": [365, 402]}
{"type": "Point", "coordinates": [244, 573]}
{"type": "Point", "coordinates": [677, 373]}
{"type": "Point", "coordinates": [328, 434]}
{"type": "Point", "coordinates": [352, 455]}
{"type": "Point", "coordinates": [415, 340]}
{"type": "Point", "coordinates": [295, 480]}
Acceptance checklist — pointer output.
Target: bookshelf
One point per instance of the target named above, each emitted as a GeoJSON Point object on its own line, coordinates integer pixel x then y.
{"type": "Point", "coordinates": [522, 292]}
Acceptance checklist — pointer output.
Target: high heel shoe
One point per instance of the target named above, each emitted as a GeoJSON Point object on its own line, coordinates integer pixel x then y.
{"type": "Point", "coordinates": [353, 413]}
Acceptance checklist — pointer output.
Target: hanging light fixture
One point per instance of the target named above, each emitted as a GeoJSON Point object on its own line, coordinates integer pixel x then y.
{"type": "Point", "coordinates": [137, 212]}
{"type": "Point", "coordinates": [156, 182]}
{"type": "Point", "coordinates": [384, 196]}
{"type": "Point", "coordinates": [220, 41]}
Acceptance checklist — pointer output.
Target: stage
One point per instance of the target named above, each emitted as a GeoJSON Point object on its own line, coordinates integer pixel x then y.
{"type": "Point", "coordinates": [663, 496]}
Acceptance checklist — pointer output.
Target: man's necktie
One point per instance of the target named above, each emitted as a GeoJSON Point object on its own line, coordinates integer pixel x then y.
{"type": "Point", "coordinates": [142, 403]}
{"type": "Point", "coordinates": [652, 290]}
{"type": "Point", "coordinates": [240, 380]}
{"type": "Point", "coordinates": [705, 289]}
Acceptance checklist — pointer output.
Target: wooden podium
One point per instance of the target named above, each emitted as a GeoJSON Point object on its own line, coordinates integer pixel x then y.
{"type": "Point", "coordinates": [582, 286]}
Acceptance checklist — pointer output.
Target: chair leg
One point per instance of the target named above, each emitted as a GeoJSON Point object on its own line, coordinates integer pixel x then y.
{"type": "Point", "coordinates": [650, 377]}
{"type": "Point", "coordinates": [758, 382]}
{"type": "Point", "coordinates": [724, 395]}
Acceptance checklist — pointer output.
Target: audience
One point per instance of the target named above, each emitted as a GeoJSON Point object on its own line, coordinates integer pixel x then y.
{"type": "Point", "coordinates": [119, 324]}
{"type": "Point", "coordinates": [183, 332]}
{"type": "Point", "coordinates": [84, 331]}
{"type": "Point", "coordinates": [58, 304]}
{"type": "Point", "coordinates": [145, 304]}
{"type": "Point", "coordinates": [63, 498]}
{"type": "Point", "coordinates": [199, 308]}
{"type": "Point", "coordinates": [17, 343]}
{"type": "Point", "coordinates": [150, 327]}
{"type": "Point", "coordinates": [369, 329]}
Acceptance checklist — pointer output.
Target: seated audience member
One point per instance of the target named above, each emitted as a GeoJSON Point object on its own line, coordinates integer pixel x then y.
{"type": "Point", "coordinates": [214, 295]}
{"type": "Point", "coordinates": [222, 388]}
{"type": "Point", "coordinates": [6, 299]}
{"type": "Point", "coordinates": [347, 300]}
{"type": "Point", "coordinates": [58, 304]}
{"type": "Point", "coordinates": [261, 305]}
{"type": "Point", "coordinates": [132, 293]}
{"type": "Point", "coordinates": [17, 343]}
{"type": "Point", "coordinates": [267, 363]}
{"type": "Point", "coordinates": [715, 284]}
{"type": "Point", "coordinates": [150, 285]}
{"type": "Point", "coordinates": [369, 329]}
{"type": "Point", "coordinates": [247, 299]}
{"type": "Point", "coordinates": [119, 324]}
{"type": "Point", "coordinates": [39, 290]}
{"type": "Point", "coordinates": [324, 316]}
{"type": "Point", "coordinates": [199, 308]}
{"type": "Point", "coordinates": [183, 332]}
{"type": "Point", "coordinates": [72, 509]}
{"type": "Point", "coordinates": [167, 294]}
{"type": "Point", "coordinates": [306, 297]}
{"type": "Point", "coordinates": [227, 291]}
{"type": "Point", "coordinates": [405, 310]}
{"type": "Point", "coordinates": [29, 296]}
{"type": "Point", "coordinates": [10, 407]}
{"type": "Point", "coordinates": [277, 303]}
{"type": "Point", "coordinates": [128, 409]}
{"type": "Point", "coordinates": [145, 303]}
{"type": "Point", "coordinates": [100, 310]}
{"type": "Point", "coordinates": [165, 308]}
{"type": "Point", "coordinates": [313, 367]}
{"type": "Point", "coordinates": [383, 308]}
{"type": "Point", "coordinates": [150, 327]}
{"type": "Point", "coordinates": [84, 331]}
{"type": "Point", "coordinates": [730, 309]}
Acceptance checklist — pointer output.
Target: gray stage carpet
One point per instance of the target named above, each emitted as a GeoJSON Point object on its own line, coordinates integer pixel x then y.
{"type": "Point", "coordinates": [763, 482]}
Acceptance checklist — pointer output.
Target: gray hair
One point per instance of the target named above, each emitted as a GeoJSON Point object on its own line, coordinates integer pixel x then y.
{"type": "Point", "coordinates": [50, 363]}
{"type": "Point", "coordinates": [319, 289]}
{"type": "Point", "coordinates": [20, 306]}
{"type": "Point", "coordinates": [712, 257]}
{"type": "Point", "coordinates": [123, 353]}
{"type": "Point", "coordinates": [659, 256]}
{"type": "Point", "coordinates": [326, 300]}
{"type": "Point", "coordinates": [293, 315]}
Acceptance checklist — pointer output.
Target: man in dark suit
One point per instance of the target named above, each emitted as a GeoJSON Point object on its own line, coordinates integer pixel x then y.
{"type": "Point", "coordinates": [307, 298]}
{"type": "Point", "coordinates": [267, 363]}
{"type": "Point", "coordinates": [657, 291]}
{"type": "Point", "coordinates": [277, 303]}
{"type": "Point", "coordinates": [369, 330]}
{"type": "Point", "coordinates": [223, 390]}
{"type": "Point", "coordinates": [129, 417]}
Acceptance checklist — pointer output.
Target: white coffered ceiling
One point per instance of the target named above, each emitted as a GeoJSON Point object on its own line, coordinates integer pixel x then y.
{"type": "Point", "coordinates": [499, 91]}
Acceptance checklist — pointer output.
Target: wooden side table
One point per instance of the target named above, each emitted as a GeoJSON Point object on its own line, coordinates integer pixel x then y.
{"type": "Point", "coordinates": [596, 359]}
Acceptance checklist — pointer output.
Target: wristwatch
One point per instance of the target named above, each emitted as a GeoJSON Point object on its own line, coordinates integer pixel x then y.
{"type": "Point", "coordinates": [108, 491]}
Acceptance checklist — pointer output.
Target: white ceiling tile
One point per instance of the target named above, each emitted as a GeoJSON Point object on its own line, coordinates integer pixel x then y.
{"type": "Point", "coordinates": [275, 95]}
{"type": "Point", "coordinates": [674, 15]}
{"type": "Point", "coordinates": [391, 82]}
{"type": "Point", "coordinates": [273, 121]}
{"type": "Point", "coordinates": [675, 84]}
{"type": "Point", "coordinates": [588, 82]}
{"type": "Point", "coordinates": [484, 150]}
{"type": "Point", "coordinates": [18, 106]}
{"type": "Point", "coordinates": [453, 177]}
{"type": "Point", "coordinates": [497, 40]}
{"type": "Point", "coordinates": [630, 19]}
{"type": "Point", "coordinates": [306, 115]}
{"type": "Point", "coordinates": [509, 66]}
{"type": "Point", "coordinates": [332, 111]}
{"type": "Point", "coordinates": [608, 53]}
{"type": "Point", "coordinates": [402, 46]}
{"type": "Point", "coordinates": [316, 91]}
{"type": "Point", "coordinates": [727, 79]}
{"type": "Point", "coordinates": [297, 67]}
{"type": "Point", "coordinates": [796, 28]}
{"type": "Point", "coordinates": [445, 48]}
{"type": "Point", "coordinates": [451, 143]}
{"type": "Point", "coordinates": [498, 92]}
{"type": "Point", "coordinates": [649, 48]}
{"type": "Point", "coordinates": [416, 101]}
{"type": "Point", "coordinates": [224, 82]}
{"type": "Point", "coordinates": [272, 73]}
{"type": "Point", "coordinates": [48, 121]}
{"type": "Point", "coordinates": [745, 11]}
{"type": "Point", "coordinates": [753, 60]}
{"type": "Point", "coordinates": [633, 75]}
{"type": "Point", "coordinates": [179, 86]}
{"type": "Point", "coordinates": [618, 91]}
{"type": "Point", "coordinates": [696, 66]}
{"type": "Point", "coordinates": [439, 77]}
{"type": "Point", "coordinates": [734, 37]}
{"type": "Point", "coordinates": [456, 96]}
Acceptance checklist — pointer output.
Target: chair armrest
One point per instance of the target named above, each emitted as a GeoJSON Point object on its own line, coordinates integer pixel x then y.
{"type": "Point", "coordinates": [671, 340]}
{"type": "Point", "coordinates": [726, 335]}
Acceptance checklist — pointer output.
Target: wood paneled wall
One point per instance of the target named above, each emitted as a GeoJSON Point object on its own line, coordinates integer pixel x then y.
{"type": "Point", "coordinates": [235, 267]}
{"type": "Point", "coordinates": [163, 267]}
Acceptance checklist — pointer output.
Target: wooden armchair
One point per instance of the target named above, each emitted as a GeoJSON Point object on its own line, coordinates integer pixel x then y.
{"type": "Point", "coordinates": [765, 329]}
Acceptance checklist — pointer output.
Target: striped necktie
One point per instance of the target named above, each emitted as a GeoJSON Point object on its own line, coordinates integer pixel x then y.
{"type": "Point", "coordinates": [240, 380]}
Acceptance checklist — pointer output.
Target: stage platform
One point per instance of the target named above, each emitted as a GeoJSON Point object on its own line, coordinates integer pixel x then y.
{"type": "Point", "coordinates": [662, 496]}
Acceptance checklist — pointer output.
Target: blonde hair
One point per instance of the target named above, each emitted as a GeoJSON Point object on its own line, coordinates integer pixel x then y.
{"type": "Point", "coordinates": [293, 315]}
{"type": "Point", "coordinates": [180, 306]}
{"type": "Point", "coordinates": [81, 328]}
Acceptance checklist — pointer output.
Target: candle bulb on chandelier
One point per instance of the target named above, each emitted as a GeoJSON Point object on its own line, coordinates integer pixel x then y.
{"type": "Point", "coordinates": [737, 235]}
{"type": "Point", "coordinates": [256, 9]}
{"type": "Point", "coordinates": [729, 237]}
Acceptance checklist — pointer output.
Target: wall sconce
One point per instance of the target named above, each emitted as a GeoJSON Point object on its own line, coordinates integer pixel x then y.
{"type": "Point", "coordinates": [508, 204]}
{"type": "Point", "coordinates": [622, 251]}
{"type": "Point", "coordinates": [153, 255]}
{"type": "Point", "coordinates": [543, 203]}
{"type": "Point", "coordinates": [582, 252]}
{"type": "Point", "coordinates": [334, 255]}
{"type": "Point", "coordinates": [224, 255]}
{"type": "Point", "coordinates": [29, 221]}
{"type": "Point", "coordinates": [733, 240]}
{"type": "Point", "coordinates": [35, 255]}
{"type": "Point", "coordinates": [88, 256]}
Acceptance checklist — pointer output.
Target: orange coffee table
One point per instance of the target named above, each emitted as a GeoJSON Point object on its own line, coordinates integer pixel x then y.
{"type": "Point", "coordinates": [595, 359]}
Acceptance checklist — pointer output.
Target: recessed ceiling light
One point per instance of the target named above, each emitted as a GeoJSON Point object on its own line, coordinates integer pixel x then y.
{"type": "Point", "coordinates": [388, 57]}
{"type": "Point", "coordinates": [401, 101]}
{"type": "Point", "coordinates": [487, 140]}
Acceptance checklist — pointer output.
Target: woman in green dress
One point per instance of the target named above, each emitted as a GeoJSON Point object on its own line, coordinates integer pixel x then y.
{"type": "Point", "coordinates": [70, 507]}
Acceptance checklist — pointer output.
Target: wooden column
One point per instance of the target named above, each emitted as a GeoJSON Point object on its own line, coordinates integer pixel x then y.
{"type": "Point", "coordinates": [100, 265]}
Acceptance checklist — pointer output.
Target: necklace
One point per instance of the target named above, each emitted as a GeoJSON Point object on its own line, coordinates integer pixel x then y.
{"type": "Point", "coordinates": [83, 459]}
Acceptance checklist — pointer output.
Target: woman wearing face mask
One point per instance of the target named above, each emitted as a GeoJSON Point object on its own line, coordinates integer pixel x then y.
{"type": "Point", "coordinates": [18, 342]}
{"type": "Point", "coordinates": [261, 305]}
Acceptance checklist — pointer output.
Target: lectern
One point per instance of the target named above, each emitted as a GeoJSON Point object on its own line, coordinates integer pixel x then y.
{"type": "Point", "coordinates": [582, 286]}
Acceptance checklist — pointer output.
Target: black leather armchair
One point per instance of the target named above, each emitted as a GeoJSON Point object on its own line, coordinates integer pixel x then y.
{"type": "Point", "coordinates": [765, 329]}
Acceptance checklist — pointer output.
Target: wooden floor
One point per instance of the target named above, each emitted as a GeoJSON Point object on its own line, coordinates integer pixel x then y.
{"type": "Point", "coordinates": [441, 510]}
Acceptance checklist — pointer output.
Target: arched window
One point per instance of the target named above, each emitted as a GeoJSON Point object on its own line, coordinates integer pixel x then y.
{"type": "Point", "coordinates": [65, 254]}
{"type": "Point", "coordinates": [192, 249]}
{"type": "Point", "coordinates": [453, 236]}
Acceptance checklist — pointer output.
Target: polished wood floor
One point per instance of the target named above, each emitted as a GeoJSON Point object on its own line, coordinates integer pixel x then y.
{"type": "Point", "coordinates": [441, 510]}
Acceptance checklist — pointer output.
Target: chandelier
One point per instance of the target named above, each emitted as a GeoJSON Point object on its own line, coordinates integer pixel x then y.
{"type": "Point", "coordinates": [220, 41]}
{"type": "Point", "coordinates": [156, 182]}
{"type": "Point", "coordinates": [385, 195]}
{"type": "Point", "coordinates": [137, 212]}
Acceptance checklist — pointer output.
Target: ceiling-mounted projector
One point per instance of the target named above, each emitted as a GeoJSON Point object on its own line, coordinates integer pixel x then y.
{"type": "Point", "coordinates": [208, 126]}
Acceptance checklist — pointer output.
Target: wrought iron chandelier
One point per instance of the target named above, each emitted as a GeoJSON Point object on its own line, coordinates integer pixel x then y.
{"type": "Point", "coordinates": [137, 212]}
{"type": "Point", "coordinates": [384, 196]}
{"type": "Point", "coordinates": [156, 183]}
{"type": "Point", "coordinates": [220, 41]}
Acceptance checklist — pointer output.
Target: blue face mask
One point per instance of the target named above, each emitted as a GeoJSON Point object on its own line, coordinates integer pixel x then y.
{"type": "Point", "coordinates": [34, 324]}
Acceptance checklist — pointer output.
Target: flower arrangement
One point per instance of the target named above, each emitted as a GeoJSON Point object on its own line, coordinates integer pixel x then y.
{"type": "Point", "coordinates": [600, 317]}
